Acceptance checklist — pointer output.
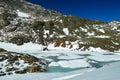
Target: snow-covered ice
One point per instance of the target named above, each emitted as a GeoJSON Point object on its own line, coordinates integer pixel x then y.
{"type": "Point", "coordinates": [78, 63]}
{"type": "Point", "coordinates": [70, 56]}
{"type": "Point", "coordinates": [108, 72]}
{"type": "Point", "coordinates": [53, 64]}
{"type": "Point", "coordinates": [105, 58]}
{"type": "Point", "coordinates": [44, 75]}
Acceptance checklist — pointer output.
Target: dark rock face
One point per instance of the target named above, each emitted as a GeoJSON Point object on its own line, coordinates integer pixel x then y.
{"type": "Point", "coordinates": [20, 63]}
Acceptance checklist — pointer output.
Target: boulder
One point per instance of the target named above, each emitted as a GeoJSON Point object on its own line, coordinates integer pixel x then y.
{"type": "Point", "coordinates": [11, 69]}
{"type": "Point", "coordinates": [2, 50]}
{"type": "Point", "coordinates": [35, 69]}
{"type": "Point", "coordinates": [20, 71]}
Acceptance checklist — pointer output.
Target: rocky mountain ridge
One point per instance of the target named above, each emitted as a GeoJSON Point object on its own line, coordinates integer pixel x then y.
{"type": "Point", "coordinates": [25, 22]}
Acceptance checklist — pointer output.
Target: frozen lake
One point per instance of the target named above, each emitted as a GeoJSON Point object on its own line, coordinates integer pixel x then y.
{"type": "Point", "coordinates": [68, 64]}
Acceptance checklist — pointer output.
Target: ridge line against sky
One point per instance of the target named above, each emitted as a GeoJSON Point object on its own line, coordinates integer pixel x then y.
{"type": "Point", "coordinates": [105, 10]}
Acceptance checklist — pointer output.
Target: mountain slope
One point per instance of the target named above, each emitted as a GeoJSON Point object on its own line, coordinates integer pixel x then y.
{"type": "Point", "coordinates": [24, 22]}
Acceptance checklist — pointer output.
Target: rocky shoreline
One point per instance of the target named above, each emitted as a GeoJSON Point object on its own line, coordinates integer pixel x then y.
{"type": "Point", "coordinates": [18, 63]}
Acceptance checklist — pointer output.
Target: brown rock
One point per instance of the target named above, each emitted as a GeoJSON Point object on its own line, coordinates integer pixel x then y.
{"type": "Point", "coordinates": [2, 50]}
{"type": "Point", "coordinates": [35, 69]}
{"type": "Point", "coordinates": [3, 57]}
{"type": "Point", "coordinates": [20, 71]}
{"type": "Point", "coordinates": [12, 58]}
{"type": "Point", "coordinates": [11, 69]}
{"type": "Point", "coordinates": [17, 63]}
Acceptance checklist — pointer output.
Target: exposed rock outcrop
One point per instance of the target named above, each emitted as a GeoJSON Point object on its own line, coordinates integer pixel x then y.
{"type": "Point", "coordinates": [20, 63]}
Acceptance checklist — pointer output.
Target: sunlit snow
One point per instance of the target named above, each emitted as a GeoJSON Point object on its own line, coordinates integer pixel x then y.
{"type": "Point", "coordinates": [66, 31]}
{"type": "Point", "coordinates": [67, 64]}
{"type": "Point", "coordinates": [22, 14]}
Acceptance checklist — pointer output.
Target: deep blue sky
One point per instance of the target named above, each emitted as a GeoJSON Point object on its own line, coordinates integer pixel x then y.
{"type": "Point", "coordinates": [105, 10]}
